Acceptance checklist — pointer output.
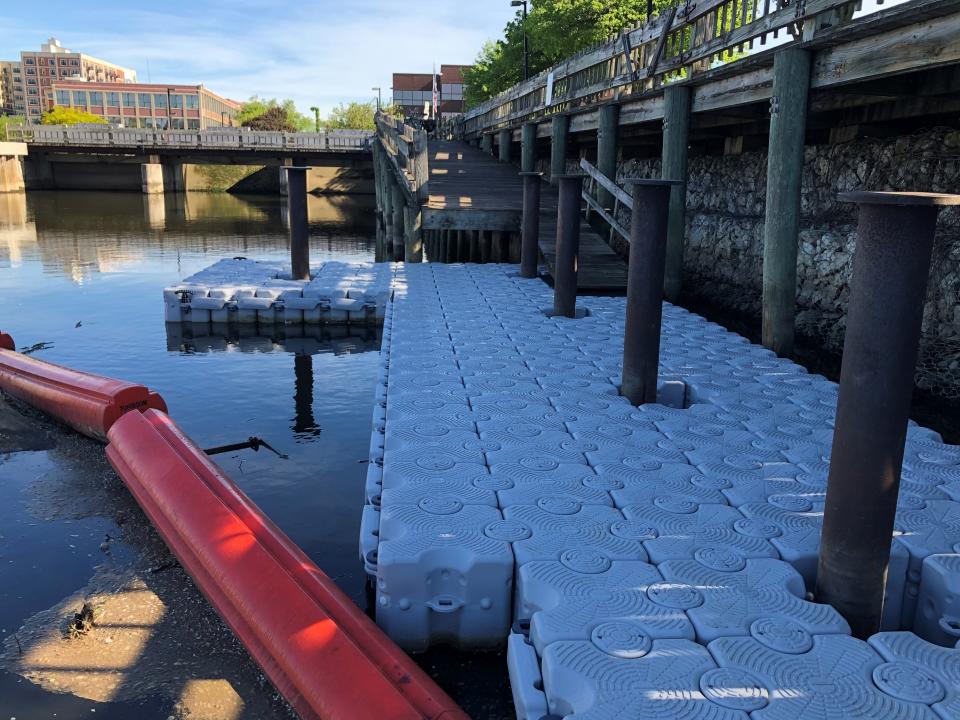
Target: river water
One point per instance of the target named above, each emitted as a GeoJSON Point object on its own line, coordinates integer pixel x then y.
{"type": "Point", "coordinates": [83, 272]}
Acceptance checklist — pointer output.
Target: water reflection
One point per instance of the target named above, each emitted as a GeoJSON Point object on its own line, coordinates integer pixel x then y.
{"type": "Point", "coordinates": [79, 234]}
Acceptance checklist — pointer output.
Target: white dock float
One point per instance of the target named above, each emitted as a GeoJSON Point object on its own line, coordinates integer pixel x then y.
{"type": "Point", "coordinates": [252, 291]}
{"type": "Point", "coordinates": [640, 561]}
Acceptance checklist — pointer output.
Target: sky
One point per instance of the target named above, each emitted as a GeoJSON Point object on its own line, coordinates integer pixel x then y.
{"type": "Point", "coordinates": [317, 52]}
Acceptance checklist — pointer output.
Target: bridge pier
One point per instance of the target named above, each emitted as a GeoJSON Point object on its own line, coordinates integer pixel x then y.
{"type": "Point", "coordinates": [676, 138]}
{"type": "Point", "coordinates": [11, 166]}
{"type": "Point", "coordinates": [151, 176]}
{"type": "Point", "coordinates": [781, 229]}
{"type": "Point", "coordinates": [174, 177]}
{"type": "Point", "coordinates": [607, 135]}
{"type": "Point", "coordinates": [284, 188]}
{"type": "Point", "coordinates": [504, 141]}
{"type": "Point", "coordinates": [560, 126]}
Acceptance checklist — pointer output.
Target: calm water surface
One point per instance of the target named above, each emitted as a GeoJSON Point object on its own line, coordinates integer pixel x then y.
{"type": "Point", "coordinates": [84, 272]}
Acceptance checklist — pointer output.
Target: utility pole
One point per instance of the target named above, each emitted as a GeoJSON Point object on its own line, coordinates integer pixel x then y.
{"type": "Point", "coordinates": [316, 118]}
{"type": "Point", "coordinates": [526, 49]}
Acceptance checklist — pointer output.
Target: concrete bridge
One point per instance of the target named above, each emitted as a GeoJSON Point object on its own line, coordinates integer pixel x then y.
{"type": "Point", "coordinates": [157, 161]}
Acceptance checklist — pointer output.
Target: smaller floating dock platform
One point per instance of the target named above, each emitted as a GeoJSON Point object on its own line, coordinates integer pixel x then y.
{"type": "Point", "coordinates": [244, 291]}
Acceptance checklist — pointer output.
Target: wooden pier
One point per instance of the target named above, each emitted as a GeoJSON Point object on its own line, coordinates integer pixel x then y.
{"type": "Point", "coordinates": [717, 76]}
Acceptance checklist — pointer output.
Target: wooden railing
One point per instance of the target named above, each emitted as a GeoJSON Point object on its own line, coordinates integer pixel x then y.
{"type": "Point", "coordinates": [218, 139]}
{"type": "Point", "coordinates": [596, 180]}
{"type": "Point", "coordinates": [406, 150]}
{"type": "Point", "coordinates": [683, 44]}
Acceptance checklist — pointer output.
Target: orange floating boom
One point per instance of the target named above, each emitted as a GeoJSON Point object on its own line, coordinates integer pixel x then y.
{"type": "Point", "coordinates": [88, 403]}
{"type": "Point", "coordinates": [326, 657]}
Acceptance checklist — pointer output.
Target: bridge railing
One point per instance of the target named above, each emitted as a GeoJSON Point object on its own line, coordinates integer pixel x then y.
{"type": "Point", "coordinates": [687, 41]}
{"type": "Point", "coordinates": [216, 139]}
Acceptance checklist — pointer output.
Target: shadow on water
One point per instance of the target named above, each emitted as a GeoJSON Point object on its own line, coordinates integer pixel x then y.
{"type": "Point", "coordinates": [84, 272]}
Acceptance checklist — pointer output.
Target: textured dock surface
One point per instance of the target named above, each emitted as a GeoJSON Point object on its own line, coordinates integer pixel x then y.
{"type": "Point", "coordinates": [641, 562]}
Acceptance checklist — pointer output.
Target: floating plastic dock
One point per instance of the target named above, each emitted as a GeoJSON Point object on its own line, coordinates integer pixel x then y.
{"type": "Point", "coordinates": [648, 561]}
{"type": "Point", "coordinates": [251, 291]}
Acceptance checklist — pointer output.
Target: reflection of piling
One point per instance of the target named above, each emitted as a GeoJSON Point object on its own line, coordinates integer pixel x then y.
{"type": "Point", "coordinates": [648, 249]}
{"type": "Point", "coordinates": [530, 237]}
{"type": "Point", "coordinates": [887, 291]}
{"type": "Point", "coordinates": [568, 246]}
{"type": "Point", "coordinates": [304, 422]}
{"type": "Point", "coordinates": [299, 228]}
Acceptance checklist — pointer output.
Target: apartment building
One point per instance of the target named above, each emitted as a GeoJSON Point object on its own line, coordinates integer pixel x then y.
{"type": "Point", "coordinates": [154, 106]}
{"type": "Point", "coordinates": [53, 63]}
{"type": "Point", "coordinates": [414, 92]}
{"type": "Point", "coordinates": [12, 100]}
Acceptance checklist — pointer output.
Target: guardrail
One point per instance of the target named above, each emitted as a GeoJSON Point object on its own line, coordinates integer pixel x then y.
{"type": "Point", "coordinates": [219, 139]}
{"type": "Point", "coordinates": [406, 149]}
{"type": "Point", "coordinates": [683, 44]}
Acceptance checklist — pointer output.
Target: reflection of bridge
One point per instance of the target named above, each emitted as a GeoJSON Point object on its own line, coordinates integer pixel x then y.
{"type": "Point", "coordinates": [93, 157]}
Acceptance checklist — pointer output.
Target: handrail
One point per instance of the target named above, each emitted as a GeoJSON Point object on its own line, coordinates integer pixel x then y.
{"type": "Point", "coordinates": [213, 139]}
{"type": "Point", "coordinates": [406, 148]}
{"type": "Point", "coordinates": [620, 197]}
{"type": "Point", "coordinates": [686, 41]}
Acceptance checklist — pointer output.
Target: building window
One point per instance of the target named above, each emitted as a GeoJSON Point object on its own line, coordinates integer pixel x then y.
{"type": "Point", "coordinates": [79, 97]}
{"type": "Point", "coordinates": [96, 98]}
{"type": "Point", "coordinates": [31, 71]}
{"type": "Point", "coordinates": [143, 100]}
{"type": "Point", "coordinates": [31, 81]}
{"type": "Point", "coordinates": [113, 99]}
{"type": "Point", "coordinates": [52, 61]}
{"type": "Point", "coordinates": [75, 63]}
{"type": "Point", "coordinates": [160, 101]}
{"type": "Point", "coordinates": [63, 97]}
{"type": "Point", "coordinates": [177, 123]}
{"type": "Point", "coordinates": [129, 100]}
{"type": "Point", "coordinates": [28, 61]}
{"type": "Point", "coordinates": [34, 101]}
{"type": "Point", "coordinates": [113, 120]}
{"type": "Point", "coordinates": [193, 124]}
{"type": "Point", "coordinates": [33, 91]}
{"type": "Point", "coordinates": [176, 102]}
{"type": "Point", "coordinates": [147, 122]}
{"type": "Point", "coordinates": [193, 102]}
{"type": "Point", "coordinates": [130, 122]}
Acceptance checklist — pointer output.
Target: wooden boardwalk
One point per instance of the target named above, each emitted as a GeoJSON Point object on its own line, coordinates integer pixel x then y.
{"type": "Point", "coordinates": [471, 190]}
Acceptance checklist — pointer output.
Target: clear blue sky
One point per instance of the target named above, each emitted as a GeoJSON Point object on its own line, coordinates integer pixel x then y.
{"type": "Point", "coordinates": [318, 53]}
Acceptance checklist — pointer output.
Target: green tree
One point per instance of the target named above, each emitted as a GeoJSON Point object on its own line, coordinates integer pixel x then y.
{"type": "Point", "coordinates": [354, 116]}
{"type": "Point", "coordinates": [556, 29]}
{"type": "Point", "coordinates": [71, 116]}
{"type": "Point", "coordinates": [257, 107]}
{"type": "Point", "coordinates": [10, 121]}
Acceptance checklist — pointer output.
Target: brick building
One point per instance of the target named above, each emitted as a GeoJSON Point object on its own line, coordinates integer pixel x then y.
{"type": "Point", "coordinates": [40, 70]}
{"type": "Point", "coordinates": [414, 92]}
{"type": "Point", "coordinates": [154, 106]}
{"type": "Point", "coordinates": [11, 100]}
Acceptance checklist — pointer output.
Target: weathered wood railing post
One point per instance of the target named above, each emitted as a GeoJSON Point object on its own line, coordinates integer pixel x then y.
{"type": "Point", "coordinates": [528, 147]}
{"type": "Point", "coordinates": [568, 246]}
{"type": "Point", "coordinates": [676, 133]}
{"type": "Point", "coordinates": [887, 292]}
{"type": "Point", "coordinates": [788, 122]}
{"type": "Point", "coordinates": [648, 250]}
{"type": "Point", "coordinates": [607, 135]}
{"type": "Point", "coordinates": [530, 237]}
{"type": "Point", "coordinates": [560, 129]}
{"type": "Point", "coordinates": [504, 141]}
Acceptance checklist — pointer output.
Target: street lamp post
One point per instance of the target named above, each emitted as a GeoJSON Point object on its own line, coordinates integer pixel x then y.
{"type": "Point", "coordinates": [379, 100]}
{"type": "Point", "coordinates": [526, 50]}
{"type": "Point", "coordinates": [316, 118]}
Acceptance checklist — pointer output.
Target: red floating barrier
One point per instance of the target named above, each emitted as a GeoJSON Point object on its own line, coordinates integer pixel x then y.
{"type": "Point", "coordinates": [326, 657]}
{"type": "Point", "coordinates": [6, 342]}
{"type": "Point", "coordinates": [88, 403]}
